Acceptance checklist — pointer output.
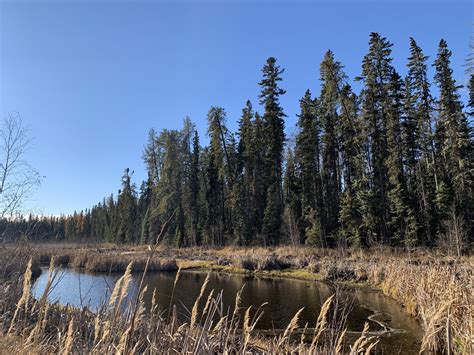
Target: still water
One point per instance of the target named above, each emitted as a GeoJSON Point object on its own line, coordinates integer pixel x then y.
{"type": "Point", "coordinates": [400, 334]}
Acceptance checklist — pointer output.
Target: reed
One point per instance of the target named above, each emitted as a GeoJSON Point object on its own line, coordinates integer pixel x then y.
{"type": "Point", "coordinates": [436, 289]}
{"type": "Point", "coordinates": [68, 330]}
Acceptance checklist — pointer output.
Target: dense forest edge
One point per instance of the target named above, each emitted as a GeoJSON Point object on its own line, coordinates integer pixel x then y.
{"type": "Point", "coordinates": [391, 165]}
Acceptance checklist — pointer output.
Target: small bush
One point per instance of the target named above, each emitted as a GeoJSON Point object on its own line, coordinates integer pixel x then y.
{"type": "Point", "coordinates": [247, 263]}
{"type": "Point", "coordinates": [273, 262]}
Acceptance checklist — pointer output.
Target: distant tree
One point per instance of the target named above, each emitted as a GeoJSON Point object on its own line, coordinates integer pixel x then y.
{"type": "Point", "coordinates": [152, 156]}
{"type": "Point", "coordinates": [127, 211]}
{"type": "Point", "coordinates": [143, 207]}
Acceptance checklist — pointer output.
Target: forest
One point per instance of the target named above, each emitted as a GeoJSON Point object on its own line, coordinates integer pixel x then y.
{"type": "Point", "coordinates": [392, 165]}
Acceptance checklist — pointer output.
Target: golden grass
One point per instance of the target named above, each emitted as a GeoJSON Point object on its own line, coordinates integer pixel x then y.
{"type": "Point", "coordinates": [119, 327]}
{"type": "Point", "coordinates": [432, 287]}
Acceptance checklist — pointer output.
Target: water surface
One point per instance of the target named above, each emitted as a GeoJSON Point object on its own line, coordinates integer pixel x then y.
{"type": "Point", "coordinates": [284, 296]}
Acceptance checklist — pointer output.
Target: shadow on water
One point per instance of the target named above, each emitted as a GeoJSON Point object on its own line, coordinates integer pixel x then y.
{"type": "Point", "coordinates": [400, 334]}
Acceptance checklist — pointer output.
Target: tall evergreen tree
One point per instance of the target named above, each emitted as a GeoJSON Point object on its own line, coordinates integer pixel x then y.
{"type": "Point", "coordinates": [351, 141]}
{"type": "Point", "coordinates": [219, 175]}
{"type": "Point", "coordinates": [143, 207]}
{"type": "Point", "coordinates": [293, 199]}
{"type": "Point", "coordinates": [194, 191]}
{"type": "Point", "coordinates": [242, 192]}
{"type": "Point", "coordinates": [332, 79]}
{"type": "Point", "coordinates": [402, 222]}
{"type": "Point", "coordinates": [376, 75]}
{"type": "Point", "coordinates": [307, 158]}
{"type": "Point", "coordinates": [418, 138]}
{"type": "Point", "coordinates": [127, 211]}
{"type": "Point", "coordinates": [454, 142]}
{"type": "Point", "coordinates": [274, 125]}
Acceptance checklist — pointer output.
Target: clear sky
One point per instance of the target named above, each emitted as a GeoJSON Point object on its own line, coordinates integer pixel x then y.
{"type": "Point", "coordinates": [91, 78]}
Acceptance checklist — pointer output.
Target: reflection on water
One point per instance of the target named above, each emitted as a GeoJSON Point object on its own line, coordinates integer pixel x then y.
{"type": "Point", "coordinates": [284, 296]}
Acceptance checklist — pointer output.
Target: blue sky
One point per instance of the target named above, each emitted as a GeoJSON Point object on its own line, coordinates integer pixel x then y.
{"type": "Point", "coordinates": [91, 78]}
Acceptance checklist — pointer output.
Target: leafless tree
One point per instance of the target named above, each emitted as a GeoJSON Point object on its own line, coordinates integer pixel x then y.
{"type": "Point", "coordinates": [455, 238]}
{"type": "Point", "coordinates": [17, 177]}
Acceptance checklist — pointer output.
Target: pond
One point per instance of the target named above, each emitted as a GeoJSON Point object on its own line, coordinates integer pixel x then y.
{"type": "Point", "coordinates": [400, 334]}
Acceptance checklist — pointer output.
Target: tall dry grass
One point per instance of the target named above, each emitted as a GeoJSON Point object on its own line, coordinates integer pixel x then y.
{"type": "Point", "coordinates": [439, 294]}
{"type": "Point", "coordinates": [435, 288]}
{"type": "Point", "coordinates": [210, 329]}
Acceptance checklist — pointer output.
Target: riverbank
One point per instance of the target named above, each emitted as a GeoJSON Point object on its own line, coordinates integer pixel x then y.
{"type": "Point", "coordinates": [434, 288]}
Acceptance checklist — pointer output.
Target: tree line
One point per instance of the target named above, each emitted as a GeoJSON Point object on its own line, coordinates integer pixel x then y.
{"type": "Point", "coordinates": [392, 164]}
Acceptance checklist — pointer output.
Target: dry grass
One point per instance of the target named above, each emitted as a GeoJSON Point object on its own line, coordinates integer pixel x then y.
{"type": "Point", "coordinates": [440, 294]}
{"type": "Point", "coordinates": [123, 326]}
{"type": "Point", "coordinates": [435, 288]}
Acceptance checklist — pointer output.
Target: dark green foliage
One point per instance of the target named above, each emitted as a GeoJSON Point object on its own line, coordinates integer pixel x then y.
{"type": "Point", "coordinates": [376, 76]}
{"type": "Point", "coordinates": [391, 165]}
{"type": "Point", "coordinates": [274, 139]}
{"type": "Point", "coordinates": [402, 223]}
{"type": "Point", "coordinates": [307, 160]}
{"type": "Point", "coordinates": [127, 212]}
{"type": "Point", "coordinates": [454, 142]}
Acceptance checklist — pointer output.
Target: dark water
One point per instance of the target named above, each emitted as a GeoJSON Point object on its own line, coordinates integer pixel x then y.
{"type": "Point", "coordinates": [284, 296]}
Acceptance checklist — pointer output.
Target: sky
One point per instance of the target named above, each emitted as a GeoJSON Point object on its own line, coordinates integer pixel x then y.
{"type": "Point", "coordinates": [90, 78]}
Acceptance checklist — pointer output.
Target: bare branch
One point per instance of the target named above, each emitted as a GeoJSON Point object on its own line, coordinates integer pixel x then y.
{"type": "Point", "coordinates": [17, 177]}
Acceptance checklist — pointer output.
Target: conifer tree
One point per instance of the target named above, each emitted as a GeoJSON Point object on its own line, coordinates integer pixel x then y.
{"type": "Point", "coordinates": [419, 149]}
{"type": "Point", "coordinates": [142, 209]}
{"type": "Point", "coordinates": [454, 143]}
{"type": "Point", "coordinates": [332, 79]}
{"type": "Point", "coordinates": [258, 192]}
{"type": "Point", "coordinates": [127, 211]}
{"type": "Point", "coordinates": [293, 200]}
{"type": "Point", "coordinates": [218, 175]}
{"type": "Point", "coordinates": [307, 158]}
{"type": "Point", "coordinates": [274, 125]}
{"type": "Point", "coordinates": [194, 191]}
{"type": "Point", "coordinates": [242, 193]}
{"type": "Point", "coordinates": [352, 157]}
{"type": "Point", "coordinates": [402, 222]}
{"type": "Point", "coordinates": [376, 76]}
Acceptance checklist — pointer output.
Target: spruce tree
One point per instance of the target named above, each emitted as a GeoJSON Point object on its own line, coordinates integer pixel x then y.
{"type": "Point", "coordinates": [376, 76]}
{"type": "Point", "coordinates": [218, 172]}
{"type": "Point", "coordinates": [332, 79]}
{"type": "Point", "coordinates": [194, 191]}
{"type": "Point", "coordinates": [454, 143]}
{"type": "Point", "coordinates": [127, 211]}
{"type": "Point", "coordinates": [258, 190]}
{"type": "Point", "coordinates": [142, 209]}
{"type": "Point", "coordinates": [402, 222]}
{"type": "Point", "coordinates": [419, 149]}
{"type": "Point", "coordinates": [274, 125]}
{"type": "Point", "coordinates": [293, 200]}
{"type": "Point", "coordinates": [351, 141]}
{"type": "Point", "coordinates": [242, 192]}
{"type": "Point", "coordinates": [307, 158]}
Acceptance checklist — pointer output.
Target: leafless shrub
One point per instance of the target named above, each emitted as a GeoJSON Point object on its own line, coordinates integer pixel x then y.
{"type": "Point", "coordinates": [455, 239]}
